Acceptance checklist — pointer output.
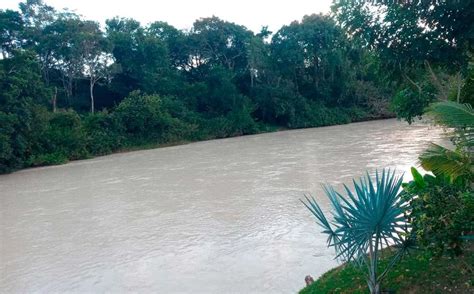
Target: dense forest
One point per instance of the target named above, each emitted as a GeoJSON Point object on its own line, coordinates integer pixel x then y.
{"type": "Point", "coordinates": [72, 89]}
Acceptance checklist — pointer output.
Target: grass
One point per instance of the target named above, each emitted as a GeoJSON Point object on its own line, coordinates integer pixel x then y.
{"type": "Point", "coordinates": [417, 272]}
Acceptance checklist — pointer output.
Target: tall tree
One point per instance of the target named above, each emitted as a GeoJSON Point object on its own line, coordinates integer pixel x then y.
{"type": "Point", "coordinates": [310, 54]}
{"type": "Point", "coordinates": [97, 60]}
{"type": "Point", "coordinates": [64, 36]}
{"type": "Point", "coordinates": [21, 92]}
{"type": "Point", "coordinates": [36, 15]}
{"type": "Point", "coordinates": [222, 43]}
{"type": "Point", "coordinates": [11, 30]}
{"type": "Point", "coordinates": [143, 56]}
{"type": "Point", "coordinates": [411, 35]}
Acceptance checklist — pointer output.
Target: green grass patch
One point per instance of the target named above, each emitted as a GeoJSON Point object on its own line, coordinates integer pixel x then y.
{"type": "Point", "coordinates": [417, 272]}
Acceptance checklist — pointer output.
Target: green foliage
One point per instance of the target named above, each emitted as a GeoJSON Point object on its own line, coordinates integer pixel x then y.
{"type": "Point", "coordinates": [21, 88]}
{"type": "Point", "coordinates": [454, 164]}
{"type": "Point", "coordinates": [141, 115]}
{"type": "Point", "coordinates": [104, 134]}
{"type": "Point", "coordinates": [457, 116]}
{"type": "Point", "coordinates": [440, 212]}
{"type": "Point", "coordinates": [393, 28]}
{"type": "Point", "coordinates": [7, 156]}
{"type": "Point", "coordinates": [236, 123]}
{"type": "Point", "coordinates": [364, 221]}
{"type": "Point", "coordinates": [144, 118]}
{"type": "Point", "coordinates": [242, 121]}
{"type": "Point", "coordinates": [453, 115]}
{"type": "Point", "coordinates": [467, 91]}
{"type": "Point", "coordinates": [61, 139]}
{"type": "Point", "coordinates": [371, 99]}
{"type": "Point", "coordinates": [442, 206]}
{"type": "Point", "coordinates": [162, 85]}
{"type": "Point", "coordinates": [457, 166]}
{"type": "Point", "coordinates": [11, 27]}
{"type": "Point", "coordinates": [414, 56]}
{"type": "Point", "coordinates": [409, 104]}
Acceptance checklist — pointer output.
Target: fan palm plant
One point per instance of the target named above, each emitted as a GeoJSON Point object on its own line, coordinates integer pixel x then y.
{"type": "Point", "coordinates": [364, 221]}
{"type": "Point", "coordinates": [455, 164]}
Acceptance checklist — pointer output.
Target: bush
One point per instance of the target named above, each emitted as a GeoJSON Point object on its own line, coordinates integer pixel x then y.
{"type": "Point", "coordinates": [139, 115]}
{"type": "Point", "coordinates": [61, 138]}
{"type": "Point", "coordinates": [145, 119]}
{"type": "Point", "coordinates": [217, 127]}
{"type": "Point", "coordinates": [317, 114]}
{"type": "Point", "coordinates": [410, 104]}
{"type": "Point", "coordinates": [372, 98]}
{"type": "Point", "coordinates": [103, 133]}
{"type": "Point", "coordinates": [359, 114]}
{"type": "Point", "coordinates": [7, 156]}
{"type": "Point", "coordinates": [241, 121]}
{"type": "Point", "coordinates": [440, 212]}
{"type": "Point", "coordinates": [49, 159]}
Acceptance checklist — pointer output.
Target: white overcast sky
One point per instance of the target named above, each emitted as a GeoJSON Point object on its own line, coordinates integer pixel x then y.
{"type": "Point", "coordinates": [181, 13]}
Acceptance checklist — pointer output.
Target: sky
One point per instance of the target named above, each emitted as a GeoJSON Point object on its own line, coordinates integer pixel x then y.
{"type": "Point", "coordinates": [181, 13]}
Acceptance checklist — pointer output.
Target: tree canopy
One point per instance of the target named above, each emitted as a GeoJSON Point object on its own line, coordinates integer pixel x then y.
{"type": "Point", "coordinates": [364, 61]}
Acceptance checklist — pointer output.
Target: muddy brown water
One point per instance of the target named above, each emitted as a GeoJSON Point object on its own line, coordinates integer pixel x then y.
{"type": "Point", "coordinates": [219, 216]}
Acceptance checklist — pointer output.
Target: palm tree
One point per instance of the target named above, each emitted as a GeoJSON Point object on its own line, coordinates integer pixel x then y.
{"type": "Point", "coordinates": [365, 221]}
{"type": "Point", "coordinates": [455, 164]}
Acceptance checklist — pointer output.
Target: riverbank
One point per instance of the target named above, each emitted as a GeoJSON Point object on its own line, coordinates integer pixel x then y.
{"type": "Point", "coordinates": [416, 273]}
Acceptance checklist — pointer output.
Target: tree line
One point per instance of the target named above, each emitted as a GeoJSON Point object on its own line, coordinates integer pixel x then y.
{"type": "Point", "coordinates": [71, 89]}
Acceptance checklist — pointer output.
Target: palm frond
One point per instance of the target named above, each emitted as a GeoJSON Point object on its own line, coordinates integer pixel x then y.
{"type": "Point", "coordinates": [368, 217]}
{"type": "Point", "coordinates": [442, 161]}
{"type": "Point", "coordinates": [452, 114]}
{"type": "Point", "coordinates": [372, 209]}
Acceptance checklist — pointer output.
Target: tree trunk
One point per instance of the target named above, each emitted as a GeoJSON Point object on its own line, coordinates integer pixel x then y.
{"type": "Point", "coordinates": [459, 82]}
{"type": "Point", "coordinates": [251, 78]}
{"type": "Point", "coordinates": [69, 87]}
{"type": "Point", "coordinates": [92, 95]}
{"type": "Point", "coordinates": [296, 82]}
{"type": "Point", "coordinates": [412, 82]}
{"type": "Point", "coordinates": [374, 288]}
{"type": "Point", "coordinates": [436, 82]}
{"type": "Point", "coordinates": [53, 98]}
{"type": "Point", "coordinates": [374, 284]}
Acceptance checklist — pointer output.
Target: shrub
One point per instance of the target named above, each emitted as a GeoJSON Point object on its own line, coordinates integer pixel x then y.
{"type": "Point", "coordinates": [359, 114]}
{"type": "Point", "coordinates": [410, 104]}
{"type": "Point", "coordinates": [62, 138]}
{"type": "Point", "coordinates": [372, 98]}
{"type": "Point", "coordinates": [216, 127]}
{"type": "Point", "coordinates": [103, 133]}
{"type": "Point", "coordinates": [7, 156]}
{"type": "Point", "coordinates": [140, 115]}
{"type": "Point", "coordinates": [241, 121]}
{"type": "Point", "coordinates": [53, 158]}
{"type": "Point", "coordinates": [317, 114]}
{"type": "Point", "coordinates": [145, 119]}
{"type": "Point", "coordinates": [440, 212]}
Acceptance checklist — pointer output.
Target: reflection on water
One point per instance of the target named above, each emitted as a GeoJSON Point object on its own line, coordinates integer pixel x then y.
{"type": "Point", "coordinates": [215, 216]}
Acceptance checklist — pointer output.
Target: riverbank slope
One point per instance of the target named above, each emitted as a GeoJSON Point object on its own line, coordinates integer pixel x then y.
{"type": "Point", "coordinates": [417, 272]}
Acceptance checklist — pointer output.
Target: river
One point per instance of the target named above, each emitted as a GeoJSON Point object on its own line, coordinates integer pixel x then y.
{"type": "Point", "coordinates": [220, 216]}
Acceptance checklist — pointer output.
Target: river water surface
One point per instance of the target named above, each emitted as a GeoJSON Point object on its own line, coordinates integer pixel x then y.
{"type": "Point", "coordinates": [219, 216]}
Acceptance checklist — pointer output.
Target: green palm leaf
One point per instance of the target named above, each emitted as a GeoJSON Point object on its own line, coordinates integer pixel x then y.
{"type": "Point", "coordinates": [452, 114]}
{"type": "Point", "coordinates": [455, 115]}
{"type": "Point", "coordinates": [442, 161]}
{"type": "Point", "coordinates": [454, 164]}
